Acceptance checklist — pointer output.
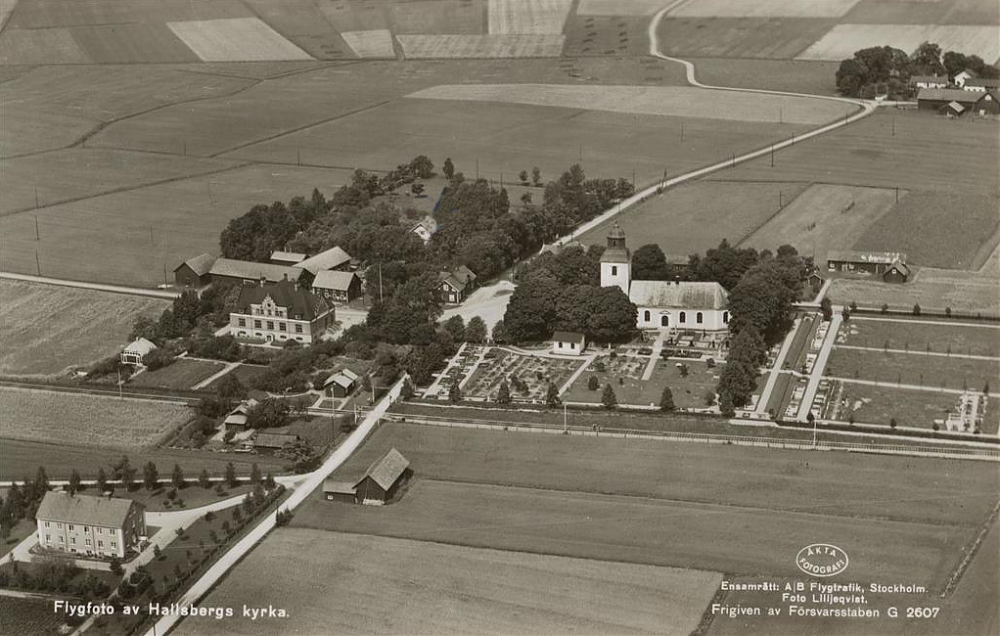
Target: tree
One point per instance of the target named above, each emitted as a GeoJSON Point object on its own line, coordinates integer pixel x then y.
{"type": "Point", "coordinates": [475, 331]}
{"type": "Point", "coordinates": [851, 76]}
{"type": "Point", "coordinates": [456, 327]}
{"type": "Point", "coordinates": [826, 307]}
{"type": "Point", "coordinates": [230, 388]}
{"type": "Point", "coordinates": [407, 391]}
{"type": "Point", "coordinates": [125, 473]}
{"type": "Point", "coordinates": [649, 263]}
{"type": "Point", "coordinates": [737, 382]}
{"type": "Point", "coordinates": [177, 477]}
{"type": "Point", "coordinates": [926, 60]}
{"type": "Point", "coordinates": [608, 397]}
{"type": "Point", "coordinates": [667, 400]}
{"type": "Point", "coordinates": [74, 482]}
{"type": "Point", "coordinates": [269, 413]}
{"type": "Point", "coordinates": [531, 313]}
{"type": "Point", "coordinates": [523, 176]}
{"type": "Point", "coordinates": [230, 475]}
{"type": "Point", "coordinates": [499, 333]}
{"type": "Point", "coordinates": [417, 189]}
{"type": "Point", "coordinates": [503, 393]}
{"type": "Point", "coordinates": [593, 383]}
{"type": "Point", "coordinates": [157, 552]}
{"type": "Point", "coordinates": [204, 480]}
{"type": "Point", "coordinates": [916, 309]}
{"type": "Point", "coordinates": [892, 422]}
{"type": "Point", "coordinates": [150, 476]}
{"type": "Point", "coordinates": [116, 566]}
{"type": "Point", "coordinates": [763, 299]}
{"type": "Point", "coordinates": [552, 396]}
{"type": "Point", "coordinates": [536, 176]}
{"type": "Point", "coordinates": [726, 405]}
{"type": "Point", "coordinates": [269, 482]}
{"type": "Point", "coordinates": [254, 474]}
{"type": "Point", "coordinates": [448, 169]}
{"type": "Point", "coordinates": [455, 392]}
{"type": "Point", "coordinates": [102, 480]}
{"type": "Point", "coordinates": [846, 314]}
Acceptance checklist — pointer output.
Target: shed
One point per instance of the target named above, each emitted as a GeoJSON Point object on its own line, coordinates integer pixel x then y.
{"type": "Point", "coordinates": [339, 491]}
{"type": "Point", "coordinates": [382, 479]}
{"type": "Point", "coordinates": [897, 273]}
{"type": "Point", "coordinates": [340, 384]}
{"type": "Point", "coordinates": [194, 272]}
{"type": "Point", "coordinates": [337, 285]}
{"type": "Point", "coordinates": [568, 343]}
{"type": "Point", "coordinates": [136, 351]}
{"type": "Point", "coordinates": [280, 257]}
{"type": "Point", "coordinates": [333, 258]}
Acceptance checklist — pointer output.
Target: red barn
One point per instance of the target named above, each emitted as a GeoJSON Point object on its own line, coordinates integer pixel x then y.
{"type": "Point", "coordinates": [382, 479]}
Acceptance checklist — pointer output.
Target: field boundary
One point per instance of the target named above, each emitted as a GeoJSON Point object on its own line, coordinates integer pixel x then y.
{"type": "Point", "coordinates": [970, 551]}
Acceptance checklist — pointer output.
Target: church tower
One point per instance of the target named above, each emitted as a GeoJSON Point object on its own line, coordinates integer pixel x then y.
{"type": "Point", "coordinates": [616, 262]}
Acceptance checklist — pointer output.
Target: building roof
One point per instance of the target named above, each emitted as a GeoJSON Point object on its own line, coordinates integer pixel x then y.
{"type": "Point", "coordinates": [568, 336]}
{"type": "Point", "coordinates": [903, 269]}
{"type": "Point", "coordinates": [341, 379]}
{"type": "Point", "coordinates": [955, 106]}
{"type": "Point", "coordinates": [851, 256]}
{"type": "Point", "coordinates": [929, 79]}
{"type": "Point", "coordinates": [140, 346]}
{"type": "Point", "coordinates": [330, 259]}
{"type": "Point", "coordinates": [248, 270]}
{"type": "Point", "coordinates": [681, 295]}
{"type": "Point", "coordinates": [337, 281]}
{"type": "Point", "coordinates": [289, 257]}
{"type": "Point", "coordinates": [84, 509]}
{"type": "Point", "coordinates": [351, 374]}
{"type": "Point", "coordinates": [427, 223]}
{"type": "Point", "coordinates": [299, 302]}
{"type": "Point", "coordinates": [387, 470]}
{"type": "Point", "coordinates": [338, 487]}
{"type": "Point", "coordinates": [949, 95]}
{"type": "Point", "coordinates": [459, 277]}
{"type": "Point", "coordinates": [968, 72]}
{"type": "Point", "coordinates": [235, 419]}
{"type": "Point", "coordinates": [616, 232]}
{"type": "Point", "coordinates": [200, 264]}
{"type": "Point", "coordinates": [985, 82]}
{"type": "Point", "coordinates": [274, 440]}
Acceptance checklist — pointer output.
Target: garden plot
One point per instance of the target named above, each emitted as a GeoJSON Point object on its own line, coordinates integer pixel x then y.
{"type": "Point", "coordinates": [535, 17]}
{"type": "Point", "coordinates": [764, 8]}
{"type": "Point", "coordinates": [181, 374]}
{"type": "Point", "coordinates": [648, 100]}
{"type": "Point", "coordinates": [617, 7]}
{"type": "Point", "coordinates": [825, 217]}
{"type": "Point", "coordinates": [844, 39]}
{"type": "Point", "coordinates": [375, 43]}
{"type": "Point", "coordinates": [480, 46]}
{"type": "Point", "coordinates": [236, 40]}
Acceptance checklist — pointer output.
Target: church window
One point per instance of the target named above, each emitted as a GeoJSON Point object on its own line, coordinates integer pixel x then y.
{"type": "Point", "coordinates": [614, 270]}
{"type": "Point", "coordinates": [645, 315]}
{"type": "Point", "coordinates": [684, 317]}
{"type": "Point", "coordinates": [699, 318]}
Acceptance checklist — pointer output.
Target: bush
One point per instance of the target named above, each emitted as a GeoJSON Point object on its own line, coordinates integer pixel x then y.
{"type": "Point", "coordinates": [593, 383]}
{"type": "Point", "coordinates": [157, 359]}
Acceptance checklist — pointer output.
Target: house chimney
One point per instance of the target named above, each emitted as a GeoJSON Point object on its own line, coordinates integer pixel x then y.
{"type": "Point", "coordinates": [263, 279]}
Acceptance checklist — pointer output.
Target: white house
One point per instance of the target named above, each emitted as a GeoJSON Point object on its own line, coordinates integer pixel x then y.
{"type": "Point", "coordinates": [568, 343]}
{"type": "Point", "coordinates": [663, 304]}
{"type": "Point", "coordinates": [136, 351]}
{"type": "Point", "coordinates": [425, 229]}
{"type": "Point", "coordinates": [981, 84]}
{"type": "Point", "coordinates": [961, 78]}
{"type": "Point", "coordinates": [89, 525]}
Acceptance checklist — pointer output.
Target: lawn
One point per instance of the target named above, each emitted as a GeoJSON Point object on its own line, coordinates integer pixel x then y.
{"type": "Point", "coordinates": [796, 76]}
{"type": "Point", "coordinates": [80, 326]}
{"type": "Point", "coordinates": [86, 420]}
{"type": "Point", "coordinates": [245, 373]}
{"type": "Point", "coordinates": [450, 589]}
{"type": "Point", "coordinates": [909, 368]}
{"type": "Point", "coordinates": [695, 217]}
{"type": "Point", "coordinates": [181, 374]}
{"type": "Point", "coordinates": [919, 336]}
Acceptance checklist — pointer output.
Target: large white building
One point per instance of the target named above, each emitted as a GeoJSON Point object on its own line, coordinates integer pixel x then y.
{"type": "Point", "coordinates": [89, 525]}
{"type": "Point", "coordinates": [664, 304]}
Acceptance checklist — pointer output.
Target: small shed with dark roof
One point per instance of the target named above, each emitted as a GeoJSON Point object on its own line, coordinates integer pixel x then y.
{"type": "Point", "coordinates": [898, 272]}
{"type": "Point", "coordinates": [339, 491]}
{"type": "Point", "coordinates": [382, 479]}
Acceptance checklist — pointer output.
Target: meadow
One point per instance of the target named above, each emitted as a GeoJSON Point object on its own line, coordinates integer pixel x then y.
{"type": "Point", "coordinates": [86, 420]}
{"type": "Point", "coordinates": [181, 374]}
{"type": "Point", "coordinates": [80, 326]}
{"type": "Point", "coordinates": [450, 589]}
{"type": "Point", "coordinates": [740, 37]}
{"type": "Point", "coordinates": [796, 76]}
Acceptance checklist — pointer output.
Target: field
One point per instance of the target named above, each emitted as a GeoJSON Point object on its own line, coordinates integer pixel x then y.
{"type": "Point", "coordinates": [80, 327]}
{"type": "Point", "coordinates": [450, 589]}
{"type": "Point", "coordinates": [86, 420]}
{"type": "Point", "coordinates": [235, 40]}
{"type": "Point", "coordinates": [844, 39]}
{"type": "Point", "coordinates": [947, 372]}
{"type": "Point", "coordinates": [966, 293]}
{"type": "Point", "coordinates": [182, 374]}
{"type": "Point", "coordinates": [593, 35]}
{"type": "Point", "coordinates": [616, 8]}
{"type": "Point", "coordinates": [730, 210]}
{"type": "Point", "coordinates": [28, 616]}
{"type": "Point", "coordinates": [417, 47]}
{"type": "Point", "coordinates": [921, 336]}
{"type": "Point", "coordinates": [795, 76]}
{"type": "Point", "coordinates": [825, 217]}
{"type": "Point", "coordinates": [764, 9]}
{"type": "Point", "coordinates": [971, 222]}
{"type": "Point", "coordinates": [527, 16]}
{"type": "Point", "coordinates": [373, 43]}
{"type": "Point", "coordinates": [740, 37]}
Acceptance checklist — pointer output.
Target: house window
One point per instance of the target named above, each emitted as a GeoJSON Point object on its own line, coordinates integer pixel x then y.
{"type": "Point", "coordinates": [270, 325]}
{"type": "Point", "coordinates": [725, 317]}
{"type": "Point", "coordinates": [71, 528]}
{"type": "Point", "coordinates": [114, 544]}
{"type": "Point", "coordinates": [645, 315]}
{"type": "Point", "coordinates": [72, 539]}
{"type": "Point", "coordinates": [614, 270]}
{"type": "Point", "coordinates": [46, 524]}
{"type": "Point", "coordinates": [100, 544]}
{"type": "Point", "coordinates": [243, 322]}
{"type": "Point", "coordinates": [256, 324]}
{"type": "Point", "coordinates": [87, 542]}
{"type": "Point", "coordinates": [62, 540]}
{"type": "Point", "coordinates": [572, 345]}
{"type": "Point", "coordinates": [282, 327]}
{"type": "Point", "coordinates": [699, 318]}
{"type": "Point", "coordinates": [85, 528]}
{"type": "Point", "coordinates": [684, 317]}
{"type": "Point", "coordinates": [48, 538]}
{"type": "Point", "coordinates": [298, 328]}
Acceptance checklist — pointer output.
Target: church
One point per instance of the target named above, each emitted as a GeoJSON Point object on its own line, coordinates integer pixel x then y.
{"type": "Point", "coordinates": [664, 304]}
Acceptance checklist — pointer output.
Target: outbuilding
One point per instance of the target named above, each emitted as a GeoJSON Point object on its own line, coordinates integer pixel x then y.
{"type": "Point", "coordinates": [568, 343]}
{"type": "Point", "coordinates": [194, 272]}
{"type": "Point", "coordinates": [274, 440]}
{"type": "Point", "coordinates": [136, 351]}
{"type": "Point", "coordinates": [337, 285]}
{"type": "Point", "coordinates": [382, 479]}
{"type": "Point", "coordinates": [341, 384]}
{"type": "Point", "coordinates": [339, 491]}
{"type": "Point", "coordinates": [897, 273]}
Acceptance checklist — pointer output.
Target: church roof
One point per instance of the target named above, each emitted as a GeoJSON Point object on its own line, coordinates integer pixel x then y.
{"type": "Point", "coordinates": [680, 295]}
{"type": "Point", "coordinates": [616, 232]}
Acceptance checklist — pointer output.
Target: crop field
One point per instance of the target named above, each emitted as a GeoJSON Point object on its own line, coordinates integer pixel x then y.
{"type": "Point", "coordinates": [946, 372]}
{"type": "Point", "coordinates": [740, 37]}
{"type": "Point", "coordinates": [39, 14]}
{"type": "Point", "coordinates": [28, 616]}
{"type": "Point", "coordinates": [966, 293]}
{"type": "Point", "coordinates": [825, 217]}
{"type": "Point", "coordinates": [909, 150]}
{"type": "Point", "coordinates": [694, 217]}
{"type": "Point", "coordinates": [796, 76]}
{"type": "Point", "coordinates": [181, 374]}
{"type": "Point", "coordinates": [439, 16]}
{"type": "Point", "coordinates": [514, 45]}
{"type": "Point", "coordinates": [955, 230]}
{"type": "Point", "coordinates": [592, 35]}
{"type": "Point", "coordinates": [617, 8]}
{"type": "Point", "coordinates": [304, 23]}
{"type": "Point", "coordinates": [156, 227]}
{"type": "Point", "coordinates": [374, 43]}
{"type": "Point", "coordinates": [647, 100]}
{"type": "Point", "coordinates": [85, 420]}
{"type": "Point", "coordinates": [235, 40]}
{"type": "Point", "coordinates": [527, 16]}
{"type": "Point", "coordinates": [451, 589]}
{"type": "Point", "coordinates": [43, 46]}
{"type": "Point", "coordinates": [844, 39]}
{"type": "Point", "coordinates": [764, 9]}
{"type": "Point", "coordinates": [940, 337]}
{"type": "Point", "coordinates": [80, 326]}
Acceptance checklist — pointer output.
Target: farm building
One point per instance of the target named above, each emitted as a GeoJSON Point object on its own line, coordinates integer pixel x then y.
{"type": "Point", "coordinates": [664, 304]}
{"type": "Point", "coordinates": [237, 419]}
{"type": "Point", "coordinates": [897, 273]}
{"type": "Point", "coordinates": [194, 272]}
{"type": "Point", "coordinates": [90, 525]}
{"type": "Point", "coordinates": [280, 311]}
{"type": "Point", "coordinates": [455, 286]}
{"type": "Point", "coordinates": [339, 491]}
{"type": "Point", "coordinates": [341, 384]}
{"type": "Point", "coordinates": [964, 76]}
{"type": "Point", "coordinates": [568, 343]}
{"type": "Point", "coordinates": [958, 102]}
{"type": "Point", "coordinates": [232, 271]}
{"type": "Point", "coordinates": [136, 351]}
{"type": "Point", "coordinates": [337, 286]}
{"type": "Point", "coordinates": [929, 81]}
{"type": "Point", "coordinates": [425, 229]}
{"type": "Point", "coordinates": [981, 84]}
{"type": "Point", "coordinates": [274, 440]}
{"type": "Point", "coordinates": [863, 262]}
{"type": "Point", "coordinates": [382, 479]}
{"type": "Point", "coordinates": [279, 257]}
{"type": "Point", "coordinates": [334, 258]}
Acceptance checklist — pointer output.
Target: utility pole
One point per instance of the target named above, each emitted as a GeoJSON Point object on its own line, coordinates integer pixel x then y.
{"type": "Point", "coordinates": [36, 198]}
{"type": "Point", "coordinates": [298, 156]}
{"type": "Point", "coordinates": [772, 155]}
{"type": "Point", "coordinates": [897, 195]}
{"type": "Point", "coordinates": [38, 267]}
{"type": "Point", "coordinates": [477, 168]}
{"type": "Point", "coordinates": [682, 131]}
{"type": "Point", "coordinates": [165, 274]}
{"type": "Point", "coordinates": [120, 396]}
{"type": "Point", "coordinates": [380, 298]}
{"type": "Point", "coordinates": [565, 427]}
{"type": "Point", "coordinates": [36, 228]}
{"type": "Point", "coordinates": [633, 179]}
{"type": "Point", "coordinates": [780, 203]}
{"type": "Point", "coordinates": [893, 125]}
{"type": "Point", "coordinates": [581, 155]}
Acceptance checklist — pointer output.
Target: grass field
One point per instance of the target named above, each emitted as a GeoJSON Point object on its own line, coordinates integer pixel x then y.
{"type": "Point", "coordinates": [921, 336]}
{"type": "Point", "coordinates": [825, 217]}
{"type": "Point", "coordinates": [844, 39]}
{"type": "Point", "coordinates": [417, 47]}
{"type": "Point", "coordinates": [617, 8]}
{"type": "Point", "coordinates": [741, 37]}
{"type": "Point", "coordinates": [81, 326]}
{"type": "Point", "coordinates": [374, 43]}
{"type": "Point", "coordinates": [694, 217]}
{"type": "Point", "coordinates": [968, 293]}
{"type": "Point", "coordinates": [235, 40]}
{"type": "Point", "coordinates": [607, 35]}
{"type": "Point", "coordinates": [764, 9]}
{"type": "Point", "coordinates": [689, 392]}
{"type": "Point", "coordinates": [953, 229]}
{"type": "Point", "coordinates": [86, 420]}
{"type": "Point", "coordinates": [910, 368]}
{"type": "Point", "coordinates": [182, 374]}
{"type": "Point", "coordinates": [527, 16]}
{"type": "Point", "coordinates": [245, 373]}
{"type": "Point", "coordinates": [796, 76]}
{"type": "Point", "coordinates": [451, 589]}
